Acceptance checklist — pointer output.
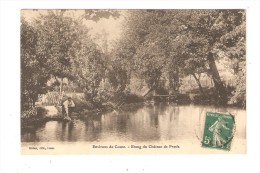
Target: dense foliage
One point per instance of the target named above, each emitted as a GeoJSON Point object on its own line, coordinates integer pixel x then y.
{"type": "Point", "coordinates": [158, 48]}
{"type": "Point", "coordinates": [170, 44]}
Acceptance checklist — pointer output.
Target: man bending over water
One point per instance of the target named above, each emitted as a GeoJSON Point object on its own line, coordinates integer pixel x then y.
{"type": "Point", "coordinates": [68, 105]}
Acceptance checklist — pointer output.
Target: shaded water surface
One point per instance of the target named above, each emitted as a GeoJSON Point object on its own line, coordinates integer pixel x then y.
{"type": "Point", "coordinates": [149, 123]}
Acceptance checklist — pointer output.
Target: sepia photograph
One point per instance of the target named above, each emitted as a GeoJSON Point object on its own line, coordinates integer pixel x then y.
{"type": "Point", "coordinates": [133, 81]}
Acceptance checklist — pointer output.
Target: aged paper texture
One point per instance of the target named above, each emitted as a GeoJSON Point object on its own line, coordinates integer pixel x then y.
{"type": "Point", "coordinates": [133, 81]}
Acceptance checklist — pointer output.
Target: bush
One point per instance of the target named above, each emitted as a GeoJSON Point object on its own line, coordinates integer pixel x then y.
{"type": "Point", "coordinates": [34, 113]}
{"type": "Point", "coordinates": [202, 99]}
{"type": "Point", "coordinates": [80, 103]}
{"type": "Point", "coordinates": [29, 113]}
{"type": "Point", "coordinates": [132, 98]}
{"type": "Point", "coordinates": [183, 98]}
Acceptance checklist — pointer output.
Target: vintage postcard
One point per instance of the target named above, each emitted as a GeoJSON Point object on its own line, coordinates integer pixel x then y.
{"type": "Point", "coordinates": [146, 81]}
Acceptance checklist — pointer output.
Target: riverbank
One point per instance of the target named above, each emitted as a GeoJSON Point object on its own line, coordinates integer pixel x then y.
{"type": "Point", "coordinates": [41, 114]}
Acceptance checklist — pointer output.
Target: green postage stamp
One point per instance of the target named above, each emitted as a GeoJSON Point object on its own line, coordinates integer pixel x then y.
{"type": "Point", "coordinates": [218, 130]}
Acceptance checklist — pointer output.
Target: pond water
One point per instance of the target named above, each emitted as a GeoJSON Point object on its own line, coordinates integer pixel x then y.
{"type": "Point", "coordinates": [162, 122]}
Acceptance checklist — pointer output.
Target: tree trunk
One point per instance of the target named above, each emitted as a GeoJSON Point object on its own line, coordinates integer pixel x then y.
{"type": "Point", "coordinates": [171, 85]}
{"type": "Point", "coordinates": [61, 89]}
{"type": "Point", "coordinates": [176, 79]}
{"type": "Point", "coordinates": [198, 82]}
{"type": "Point", "coordinates": [218, 84]}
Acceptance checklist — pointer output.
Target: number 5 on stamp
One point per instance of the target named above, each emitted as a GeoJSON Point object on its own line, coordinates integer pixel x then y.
{"type": "Point", "coordinates": [218, 130]}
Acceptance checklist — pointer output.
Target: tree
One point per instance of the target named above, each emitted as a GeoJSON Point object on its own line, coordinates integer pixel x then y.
{"type": "Point", "coordinates": [66, 43]}
{"type": "Point", "coordinates": [58, 43]}
{"type": "Point", "coordinates": [145, 43]}
{"type": "Point", "coordinates": [96, 15]}
{"type": "Point", "coordinates": [33, 74]}
{"type": "Point", "coordinates": [234, 46]}
{"type": "Point", "coordinates": [212, 25]}
{"type": "Point", "coordinates": [165, 41]}
{"type": "Point", "coordinates": [88, 67]}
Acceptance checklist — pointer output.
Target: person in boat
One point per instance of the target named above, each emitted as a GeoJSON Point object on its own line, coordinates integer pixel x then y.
{"type": "Point", "coordinates": [68, 107]}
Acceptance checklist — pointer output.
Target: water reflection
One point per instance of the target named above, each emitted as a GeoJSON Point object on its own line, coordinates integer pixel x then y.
{"type": "Point", "coordinates": [150, 123]}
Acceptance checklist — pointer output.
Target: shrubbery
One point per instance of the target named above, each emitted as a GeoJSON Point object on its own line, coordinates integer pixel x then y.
{"type": "Point", "coordinates": [132, 98]}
